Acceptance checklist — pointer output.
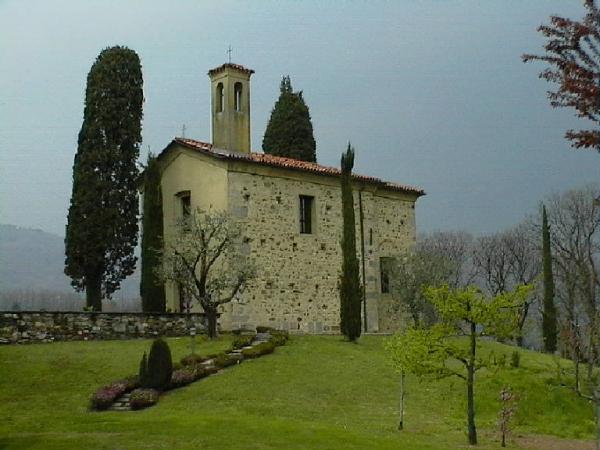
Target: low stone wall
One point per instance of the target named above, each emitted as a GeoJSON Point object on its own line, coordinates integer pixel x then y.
{"type": "Point", "coordinates": [36, 326]}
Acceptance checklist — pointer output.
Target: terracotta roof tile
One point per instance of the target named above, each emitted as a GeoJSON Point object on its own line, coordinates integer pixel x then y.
{"type": "Point", "coordinates": [289, 163]}
{"type": "Point", "coordinates": [222, 67]}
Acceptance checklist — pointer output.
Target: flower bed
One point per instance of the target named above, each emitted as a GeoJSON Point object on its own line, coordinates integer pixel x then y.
{"type": "Point", "coordinates": [191, 369]}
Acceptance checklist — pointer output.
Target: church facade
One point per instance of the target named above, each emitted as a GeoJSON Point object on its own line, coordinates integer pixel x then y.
{"type": "Point", "coordinates": [290, 215]}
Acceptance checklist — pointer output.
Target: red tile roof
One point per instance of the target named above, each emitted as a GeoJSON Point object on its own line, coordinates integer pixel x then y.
{"type": "Point", "coordinates": [238, 67]}
{"type": "Point", "coordinates": [288, 163]}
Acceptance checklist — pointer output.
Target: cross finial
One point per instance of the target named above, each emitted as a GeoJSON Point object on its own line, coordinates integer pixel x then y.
{"type": "Point", "coordinates": [229, 49]}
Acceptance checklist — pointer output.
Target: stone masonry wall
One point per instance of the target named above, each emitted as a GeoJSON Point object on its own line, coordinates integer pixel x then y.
{"type": "Point", "coordinates": [29, 327]}
{"type": "Point", "coordinates": [296, 286]}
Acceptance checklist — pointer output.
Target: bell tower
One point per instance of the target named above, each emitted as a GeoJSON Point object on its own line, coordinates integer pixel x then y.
{"type": "Point", "coordinates": [230, 110]}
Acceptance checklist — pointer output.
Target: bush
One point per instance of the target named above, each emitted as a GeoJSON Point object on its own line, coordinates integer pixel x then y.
{"type": "Point", "coordinates": [242, 341]}
{"type": "Point", "coordinates": [104, 397]}
{"type": "Point", "coordinates": [263, 329]}
{"type": "Point", "coordinates": [515, 359]}
{"type": "Point", "coordinates": [264, 348]}
{"type": "Point", "coordinates": [200, 371]}
{"type": "Point", "coordinates": [279, 337]}
{"type": "Point", "coordinates": [156, 374]}
{"type": "Point", "coordinates": [192, 360]}
{"type": "Point", "coordinates": [182, 377]}
{"type": "Point", "coordinates": [224, 360]}
{"type": "Point", "coordinates": [142, 398]}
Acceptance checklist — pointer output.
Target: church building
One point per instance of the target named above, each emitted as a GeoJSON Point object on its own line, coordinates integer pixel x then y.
{"type": "Point", "coordinates": [290, 214]}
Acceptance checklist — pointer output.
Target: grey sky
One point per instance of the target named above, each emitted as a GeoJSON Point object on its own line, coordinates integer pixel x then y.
{"type": "Point", "coordinates": [430, 92]}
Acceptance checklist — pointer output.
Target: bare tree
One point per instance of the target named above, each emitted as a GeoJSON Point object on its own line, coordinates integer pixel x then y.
{"type": "Point", "coordinates": [456, 248]}
{"type": "Point", "coordinates": [524, 265]}
{"type": "Point", "coordinates": [411, 274]}
{"type": "Point", "coordinates": [203, 257]}
{"type": "Point", "coordinates": [505, 260]}
{"type": "Point", "coordinates": [492, 264]}
{"type": "Point", "coordinates": [574, 225]}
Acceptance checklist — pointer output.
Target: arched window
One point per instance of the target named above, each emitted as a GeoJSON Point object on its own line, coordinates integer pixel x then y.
{"type": "Point", "coordinates": [220, 97]}
{"type": "Point", "coordinates": [237, 91]}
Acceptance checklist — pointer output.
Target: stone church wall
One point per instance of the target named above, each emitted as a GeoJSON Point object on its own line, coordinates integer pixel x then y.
{"type": "Point", "coordinates": [296, 286]}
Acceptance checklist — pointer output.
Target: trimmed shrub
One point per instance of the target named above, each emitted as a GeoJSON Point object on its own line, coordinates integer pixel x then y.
{"type": "Point", "coordinates": [182, 377]}
{"type": "Point", "coordinates": [104, 397]}
{"type": "Point", "coordinates": [210, 370]}
{"type": "Point", "coordinates": [224, 360]}
{"type": "Point", "coordinates": [263, 329]}
{"type": "Point", "coordinates": [159, 368]}
{"type": "Point", "coordinates": [191, 360]}
{"type": "Point", "coordinates": [143, 370]}
{"type": "Point", "coordinates": [264, 348]}
{"type": "Point", "coordinates": [242, 341]}
{"type": "Point", "coordinates": [142, 398]}
{"type": "Point", "coordinates": [515, 359]}
{"type": "Point", "coordinates": [279, 337]}
{"type": "Point", "coordinates": [200, 371]}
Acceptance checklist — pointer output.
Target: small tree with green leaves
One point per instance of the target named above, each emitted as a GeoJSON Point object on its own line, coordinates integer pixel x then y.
{"type": "Point", "coordinates": [449, 348]}
{"type": "Point", "coordinates": [349, 285]}
{"type": "Point", "coordinates": [289, 132]}
{"type": "Point", "coordinates": [549, 328]}
{"type": "Point", "coordinates": [152, 288]}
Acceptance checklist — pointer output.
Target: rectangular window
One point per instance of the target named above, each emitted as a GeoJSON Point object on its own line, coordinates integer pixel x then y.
{"type": "Point", "coordinates": [185, 306]}
{"type": "Point", "coordinates": [306, 214]}
{"type": "Point", "coordinates": [385, 266]}
{"type": "Point", "coordinates": [185, 200]}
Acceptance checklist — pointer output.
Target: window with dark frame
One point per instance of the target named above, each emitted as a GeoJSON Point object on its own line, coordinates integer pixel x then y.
{"type": "Point", "coordinates": [186, 204]}
{"type": "Point", "coordinates": [384, 270]}
{"type": "Point", "coordinates": [306, 206]}
{"type": "Point", "coordinates": [185, 306]}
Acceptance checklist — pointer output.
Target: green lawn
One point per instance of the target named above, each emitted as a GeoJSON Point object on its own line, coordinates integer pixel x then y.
{"type": "Point", "coordinates": [314, 393]}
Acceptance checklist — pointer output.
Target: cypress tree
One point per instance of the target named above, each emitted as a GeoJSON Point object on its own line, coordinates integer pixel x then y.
{"type": "Point", "coordinates": [102, 227]}
{"type": "Point", "coordinates": [159, 366]}
{"type": "Point", "coordinates": [549, 312]}
{"type": "Point", "coordinates": [349, 286]}
{"type": "Point", "coordinates": [289, 132]}
{"type": "Point", "coordinates": [151, 288]}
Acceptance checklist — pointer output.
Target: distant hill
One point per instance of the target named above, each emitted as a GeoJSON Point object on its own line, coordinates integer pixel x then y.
{"type": "Point", "coordinates": [32, 263]}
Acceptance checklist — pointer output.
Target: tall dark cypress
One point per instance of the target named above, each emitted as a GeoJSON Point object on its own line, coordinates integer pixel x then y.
{"type": "Point", "coordinates": [151, 287]}
{"type": "Point", "coordinates": [350, 293]}
{"type": "Point", "coordinates": [102, 224]}
{"type": "Point", "coordinates": [289, 132]}
{"type": "Point", "coordinates": [549, 312]}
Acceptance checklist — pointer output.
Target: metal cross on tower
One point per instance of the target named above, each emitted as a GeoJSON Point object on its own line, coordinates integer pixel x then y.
{"type": "Point", "coordinates": [229, 49]}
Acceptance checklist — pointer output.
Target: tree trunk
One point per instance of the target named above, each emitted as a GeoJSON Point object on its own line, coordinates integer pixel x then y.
{"type": "Point", "coordinates": [93, 291]}
{"type": "Point", "coordinates": [211, 318]}
{"type": "Point", "coordinates": [401, 423]}
{"type": "Point", "coordinates": [520, 340]}
{"type": "Point", "coordinates": [472, 430]}
{"type": "Point", "coordinates": [577, 382]}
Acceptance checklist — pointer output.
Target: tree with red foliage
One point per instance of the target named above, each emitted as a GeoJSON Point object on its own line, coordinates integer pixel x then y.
{"type": "Point", "coordinates": [573, 53]}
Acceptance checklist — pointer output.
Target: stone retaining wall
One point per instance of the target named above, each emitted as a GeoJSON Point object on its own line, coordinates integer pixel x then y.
{"type": "Point", "coordinates": [36, 326]}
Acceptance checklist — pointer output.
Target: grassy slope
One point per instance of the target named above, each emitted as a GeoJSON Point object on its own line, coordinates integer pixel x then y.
{"type": "Point", "coordinates": [314, 393]}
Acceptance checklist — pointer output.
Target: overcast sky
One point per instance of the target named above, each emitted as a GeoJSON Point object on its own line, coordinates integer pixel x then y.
{"type": "Point", "coordinates": [430, 92]}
